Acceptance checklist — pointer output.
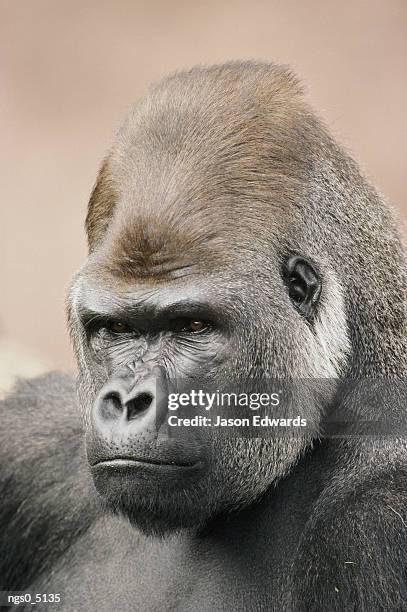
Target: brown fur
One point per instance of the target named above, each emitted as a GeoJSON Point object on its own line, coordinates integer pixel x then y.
{"type": "Point", "coordinates": [207, 164]}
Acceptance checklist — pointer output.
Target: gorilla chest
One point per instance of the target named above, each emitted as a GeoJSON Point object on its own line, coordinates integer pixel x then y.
{"type": "Point", "coordinates": [114, 568]}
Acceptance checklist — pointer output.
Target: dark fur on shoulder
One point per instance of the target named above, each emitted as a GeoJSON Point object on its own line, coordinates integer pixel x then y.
{"type": "Point", "coordinates": [45, 503]}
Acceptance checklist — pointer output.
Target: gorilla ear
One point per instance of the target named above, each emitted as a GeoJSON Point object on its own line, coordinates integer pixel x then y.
{"type": "Point", "coordinates": [303, 284]}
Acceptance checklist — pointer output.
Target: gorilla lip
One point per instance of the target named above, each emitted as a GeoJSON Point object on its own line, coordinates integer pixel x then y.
{"type": "Point", "coordinates": [139, 462]}
{"type": "Point", "coordinates": [143, 471]}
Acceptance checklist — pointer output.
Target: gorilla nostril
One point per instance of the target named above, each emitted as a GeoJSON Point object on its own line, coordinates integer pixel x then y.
{"type": "Point", "coordinates": [111, 405]}
{"type": "Point", "coordinates": [138, 404]}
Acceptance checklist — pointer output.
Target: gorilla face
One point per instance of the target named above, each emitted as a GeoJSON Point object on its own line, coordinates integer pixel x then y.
{"type": "Point", "coordinates": [189, 288]}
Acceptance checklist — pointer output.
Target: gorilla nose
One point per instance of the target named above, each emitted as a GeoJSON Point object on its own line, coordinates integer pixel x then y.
{"type": "Point", "coordinates": [130, 409]}
{"type": "Point", "coordinates": [113, 404]}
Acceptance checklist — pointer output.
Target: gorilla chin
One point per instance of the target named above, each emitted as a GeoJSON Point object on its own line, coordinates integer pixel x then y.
{"type": "Point", "coordinates": [157, 499]}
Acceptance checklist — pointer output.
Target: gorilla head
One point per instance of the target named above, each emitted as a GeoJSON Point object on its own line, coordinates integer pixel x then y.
{"type": "Point", "coordinates": [230, 240]}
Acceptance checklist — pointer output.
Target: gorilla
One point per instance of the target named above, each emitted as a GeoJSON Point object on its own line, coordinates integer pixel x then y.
{"type": "Point", "coordinates": [233, 246]}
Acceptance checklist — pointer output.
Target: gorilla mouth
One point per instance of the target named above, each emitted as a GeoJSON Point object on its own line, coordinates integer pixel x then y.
{"type": "Point", "coordinates": [139, 462]}
{"type": "Point", "coordinates": [113, 475]}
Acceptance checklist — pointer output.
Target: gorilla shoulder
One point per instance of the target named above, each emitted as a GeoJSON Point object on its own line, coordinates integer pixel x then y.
{"type": "Point", "coordinates": [41, 468]}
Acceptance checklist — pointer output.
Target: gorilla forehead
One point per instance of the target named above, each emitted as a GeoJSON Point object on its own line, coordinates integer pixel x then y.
{"type": "Point", "coordinates": [204, 156]}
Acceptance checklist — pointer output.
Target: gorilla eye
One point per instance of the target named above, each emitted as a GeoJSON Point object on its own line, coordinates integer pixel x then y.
{"type": "Point", "coordinates": [118, 327]}
{"type": "Point", "coordinates": [194, 326]}
{"type": "Point", "coordinates": [303, 284]}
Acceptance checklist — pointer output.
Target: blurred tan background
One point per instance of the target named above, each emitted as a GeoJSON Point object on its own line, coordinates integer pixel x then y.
{"type": "Point", "coordinates": [70, 69]}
